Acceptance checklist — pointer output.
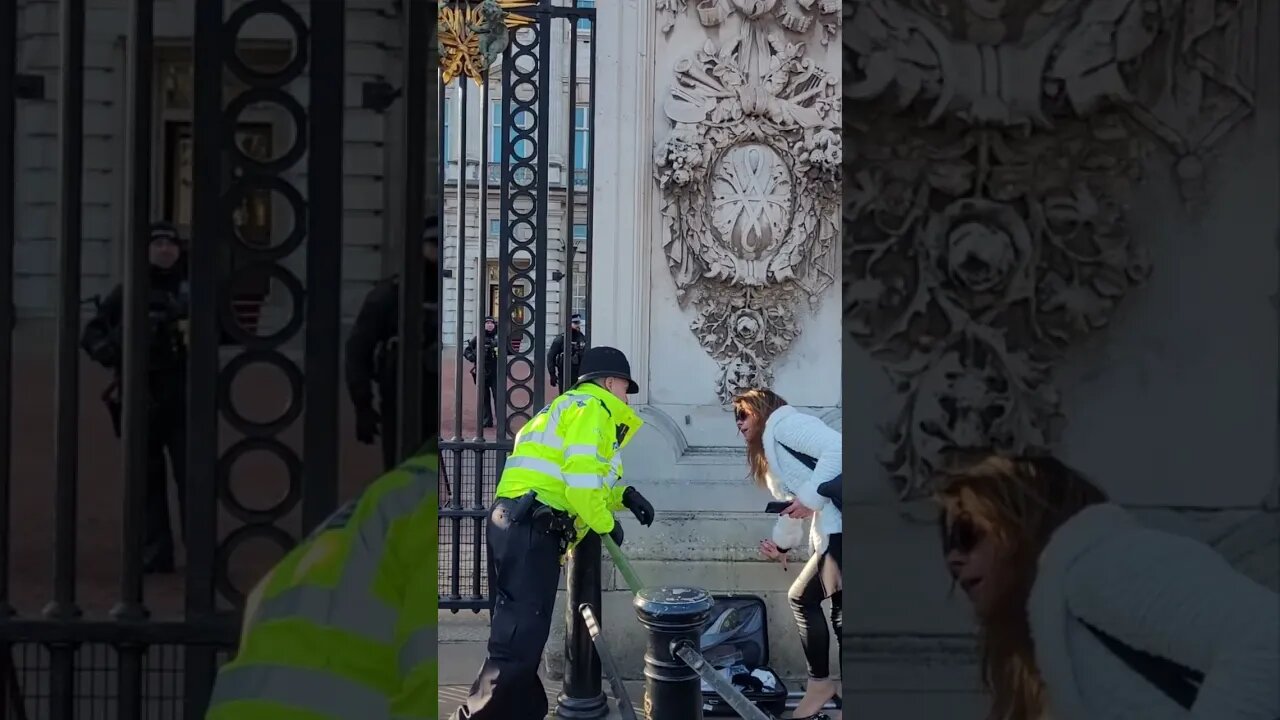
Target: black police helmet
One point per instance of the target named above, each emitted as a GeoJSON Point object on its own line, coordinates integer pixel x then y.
{"type": "Point", "coordinates": [606, 362]}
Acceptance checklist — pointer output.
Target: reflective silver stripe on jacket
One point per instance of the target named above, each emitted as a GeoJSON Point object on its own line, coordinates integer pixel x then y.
{"type": "Point", "coordinates": [583, 480]}
{"type": "Point", "coordinates": [533, 463]}
{"type": "Point", "coordinates": [352, 609]}
{"type": "Point", "coordinates": [322, 693]}
{"type": "Point", "coordinates": [547, 436]}
{"type": "Point", "coordinates": [418, 648]}
{"type": "Point", "coordinates": [352, 606]}
{"type": "Point", "coordinates": [579, 450]}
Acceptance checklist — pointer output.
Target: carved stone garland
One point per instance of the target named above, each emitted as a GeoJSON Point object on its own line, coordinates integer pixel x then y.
{"type": "Point", "coordinates": [750, 176]}
{"type": "Point", "coordinates": [985, 225]}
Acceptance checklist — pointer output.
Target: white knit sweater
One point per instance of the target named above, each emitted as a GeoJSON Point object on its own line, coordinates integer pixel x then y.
{"type": "Point", "coordinates": [1161, 593]}
{"type": "Point", "coordinates": [789, 478]}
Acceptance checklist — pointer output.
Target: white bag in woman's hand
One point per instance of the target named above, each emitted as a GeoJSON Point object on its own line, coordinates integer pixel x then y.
{"type": "Point", "coordinates": [788, 533]}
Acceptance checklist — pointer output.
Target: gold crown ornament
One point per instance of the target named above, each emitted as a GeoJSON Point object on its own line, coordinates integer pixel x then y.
{"type": "Point", "coordinates": [473, 35]}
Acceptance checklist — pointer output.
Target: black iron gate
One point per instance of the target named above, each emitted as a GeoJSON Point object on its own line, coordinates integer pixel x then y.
{"type": "Point", "coordinates": [65, 663]}
{"type": "Point", "coordinates": [543, 109]}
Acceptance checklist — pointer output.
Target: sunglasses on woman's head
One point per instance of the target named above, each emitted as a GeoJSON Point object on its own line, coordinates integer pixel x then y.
{"type": "Point", "coordinates": [739, 414]}
{"type": "Point", "coordinates": [961, 535]}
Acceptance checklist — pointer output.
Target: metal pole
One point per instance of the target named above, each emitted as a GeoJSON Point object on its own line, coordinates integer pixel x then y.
{"type": "Point", "coordinates": [409, 383]}
{"type": "Point", "coordinates": [482, 279]}
{"type": "Point", "coordinates": [672, 616]}
{"type": "Point", "coordinates": [10, 690]}
{"type": "Point", "coordinates": [582, 695]}
{"type": "Point", "coordinates": [8, 229]}
{"type": "Point", "coordinates": [203, 358]}
{"type": "Point", "coordinates": [66, 446]}
{"type": "Point", "coordinates": [135, 374]}
{"type": "Point", "coordinates": [625, 708]}
{"type": "Point", "coordinates": [571, 217]}
{"type": "Point", "coordinates": [324, 261]}
{"type": "Point", "coordinates": [624, 566]}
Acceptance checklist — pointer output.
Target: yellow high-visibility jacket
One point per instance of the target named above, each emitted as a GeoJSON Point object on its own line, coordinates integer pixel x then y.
{"type": "Point", "coordinates": [569, 455]}
{"type": "Point", "coordinates": [344, 627]}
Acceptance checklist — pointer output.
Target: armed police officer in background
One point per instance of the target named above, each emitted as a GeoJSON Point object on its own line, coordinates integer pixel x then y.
{"type": "Point", "coordinates": [372, 351]}
{"type": "Point", "coordinates": [577, 346]}
{"type": "Point", "coordinates": [167, 433]}
{"type": "Point", "coordinates": [562, 481]}
{"type": "Point", "coordinates": [490, 350]}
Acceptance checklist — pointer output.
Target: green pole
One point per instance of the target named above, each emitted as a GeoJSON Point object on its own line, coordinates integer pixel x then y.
{"type": "Point", "coordinates": [623, 564]}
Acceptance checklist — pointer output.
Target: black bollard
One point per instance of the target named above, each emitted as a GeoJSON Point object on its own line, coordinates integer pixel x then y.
{"type": "Point", "coordinates": [582, 695]}
{"type": "Point", "coordinates": [672, 690]}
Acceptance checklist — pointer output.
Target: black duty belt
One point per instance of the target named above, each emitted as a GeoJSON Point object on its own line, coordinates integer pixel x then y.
{"type": "Point", "coordinates": [555, 523]}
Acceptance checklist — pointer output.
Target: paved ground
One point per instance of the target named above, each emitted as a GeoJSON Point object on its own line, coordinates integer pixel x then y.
{"type": "Point", "coordinates": [451, 696]}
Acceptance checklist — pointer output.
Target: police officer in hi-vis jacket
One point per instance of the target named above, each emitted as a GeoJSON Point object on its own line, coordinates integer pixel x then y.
{"type": "Point", "coordinates": [563, 480]}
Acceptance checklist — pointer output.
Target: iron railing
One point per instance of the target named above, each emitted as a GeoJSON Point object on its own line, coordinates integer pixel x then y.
{"type": "Point", "coordinates": [63, 664]}
{"type": "Point", "coordinates": [527, 258]}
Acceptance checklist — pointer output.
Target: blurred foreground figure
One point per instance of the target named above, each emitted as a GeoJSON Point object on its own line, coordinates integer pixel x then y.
{"type": "Point", "coordinates": [344, 627]}
{"type": "Point", "coordinates": [1085, 614]}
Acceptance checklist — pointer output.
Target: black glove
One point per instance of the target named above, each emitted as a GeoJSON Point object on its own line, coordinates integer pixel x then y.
{"type": "Point", "coordinates": [367, 421]}
{"type": "Point", "coordinates": [554, 382]}
{"type": "Point", "coordinates": [641, 508]}
{"type": "Point", "coordinates": [616, 534]}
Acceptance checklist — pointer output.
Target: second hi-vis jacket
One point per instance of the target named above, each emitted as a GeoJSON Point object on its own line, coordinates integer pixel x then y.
{"type": "Point", "coordinates": [569, 455]}
{"type": "Point", "coordinates": [344, 627]}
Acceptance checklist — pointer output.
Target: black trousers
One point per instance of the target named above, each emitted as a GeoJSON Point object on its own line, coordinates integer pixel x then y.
{"type": "Point", "coordinates": [819, 580]}
{"type": "Point", "coordinates": [389, 410]}
{"type": "Point", "coordinates": [488, 414]}
{"type": "Point", "coordinates": [167, 450]}
{"type": "Point", "coordinates": [524, 570]}
{"type": "Point", "coordinates": [390, 422]}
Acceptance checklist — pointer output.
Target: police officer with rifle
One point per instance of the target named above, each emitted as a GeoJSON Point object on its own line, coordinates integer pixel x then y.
{"type": "Point", "coordinates": [167, 434]}
{"type": "Point", "coordinates": [490, 350]}
{"type": "Point", "coordinates": [372, 350]}
{"type": "Point", "coordinates": [555, 356]}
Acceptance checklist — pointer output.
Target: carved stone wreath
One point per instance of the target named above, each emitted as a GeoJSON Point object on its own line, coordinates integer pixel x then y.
{"type": "Point", "coordinates": [985, 226]}
{"type": "Point", "coordinates": [750, 177]}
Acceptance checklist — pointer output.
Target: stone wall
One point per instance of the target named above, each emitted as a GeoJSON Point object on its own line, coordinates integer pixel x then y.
{"type": "Point", "coordinates": [1061, 233]}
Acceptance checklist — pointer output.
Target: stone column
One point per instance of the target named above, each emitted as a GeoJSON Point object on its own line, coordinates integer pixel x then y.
{"type": "Point", "coordinates": [624, 219]}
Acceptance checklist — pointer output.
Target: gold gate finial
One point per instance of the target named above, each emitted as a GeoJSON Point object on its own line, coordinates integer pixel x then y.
{"type": "Point", "coordinates": [473, 35]}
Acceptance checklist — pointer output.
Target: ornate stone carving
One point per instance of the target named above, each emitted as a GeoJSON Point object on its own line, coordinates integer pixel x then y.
{"type": "Point", "coordinates": [985, 219]}
{"type": "Point", "coordinates": [750, 177]}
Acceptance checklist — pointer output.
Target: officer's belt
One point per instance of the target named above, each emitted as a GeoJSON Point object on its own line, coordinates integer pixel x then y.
{"type": "Point", "coordinates": [556, 523]}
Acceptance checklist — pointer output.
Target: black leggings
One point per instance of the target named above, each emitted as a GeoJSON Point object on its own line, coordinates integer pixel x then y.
{"type": "Point", "coordinates": [818, 581]}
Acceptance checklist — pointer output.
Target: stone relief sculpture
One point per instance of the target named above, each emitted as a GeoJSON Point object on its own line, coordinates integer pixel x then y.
{"type": "Point", "coordinates": [750, 178]}
{"type": "Point", "coordinates": [986, 231]}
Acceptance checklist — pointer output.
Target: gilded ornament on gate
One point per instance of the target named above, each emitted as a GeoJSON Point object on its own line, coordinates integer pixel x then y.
{"type": "Point", "coordinates": [473, 35]}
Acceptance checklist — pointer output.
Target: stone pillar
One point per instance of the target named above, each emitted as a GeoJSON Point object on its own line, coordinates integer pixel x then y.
{"type": "Point", "coordinates": [624, 37]}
